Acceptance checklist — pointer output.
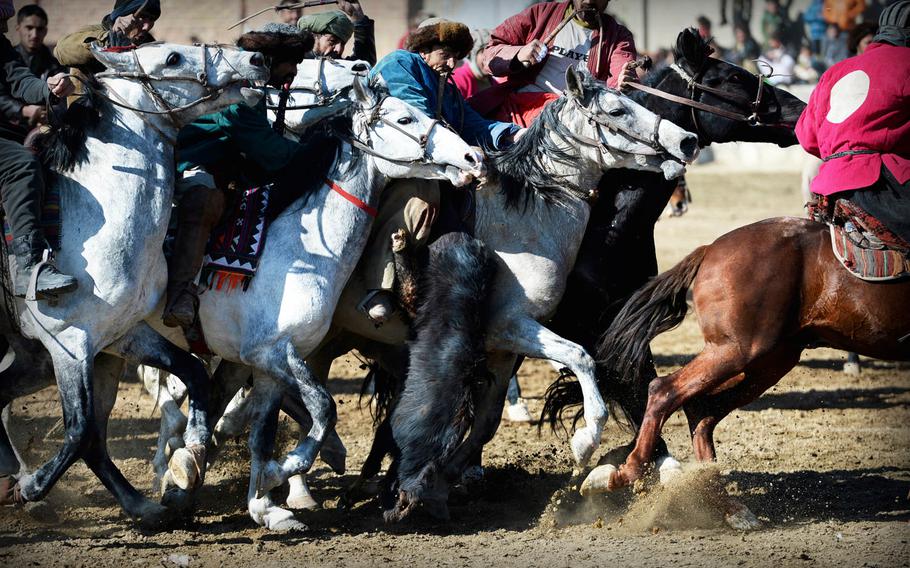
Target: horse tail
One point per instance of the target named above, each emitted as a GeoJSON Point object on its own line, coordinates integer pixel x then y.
{"type": "Point", "coordinates": [623, 352]}
{"type": "Point", "coordinates": [385, 387]}
{"type": "Point", "coordinates": [447, 357]}
{"type": "Point", "coordinates": [657, 307]}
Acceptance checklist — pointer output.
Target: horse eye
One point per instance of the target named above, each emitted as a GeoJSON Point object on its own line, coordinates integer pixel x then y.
{"type": "Point", "coordinates": [617, 112]}
{"type": "Point", "coordinates": [736, 79]}
{"type": "Point", "coordinates": [405, 120]}
{"type": "Point", "coordinates": [173, 59]}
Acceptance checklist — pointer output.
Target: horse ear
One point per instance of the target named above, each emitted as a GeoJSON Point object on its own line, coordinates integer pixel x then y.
{"type": "Point", "coordinates": [691, 49]}
{"type": "Point", "coordinates": [363, 95]}
{"type": "Point", "coordinates": [110, 59]}
{"type": "Point", "coordinates": [574, 83]}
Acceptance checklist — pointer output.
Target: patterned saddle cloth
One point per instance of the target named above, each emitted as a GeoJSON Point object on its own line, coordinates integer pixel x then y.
{"type": "Point", "coordinates": [235, 247]}
{"type": "Point", "coordinates": [865, 247]}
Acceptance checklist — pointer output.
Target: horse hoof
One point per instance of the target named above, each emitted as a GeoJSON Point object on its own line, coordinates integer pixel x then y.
{"type": "Point", "coordinates": [177, 500]}
{"type": "Point", "coordinates": [740, 518]}
{"type": "Point", "coordinates": [583, 446]}
{"type": "Point", "coordinates": [187, 467]}
{"type": "Point", "coordinates": [473, 474]}
{"type": "Point", "coordinates": [335, 459]}
{"type": "Point", "coordinates": [669, 470]}
{"type": "Point", "coordinates": [302, 502]}
{"type": "Point", "coordinates": [600, 480]}
{"type": "Point", "coordinates": [851, 369]}
{"type": "Point", "coordinates": [154, 517]}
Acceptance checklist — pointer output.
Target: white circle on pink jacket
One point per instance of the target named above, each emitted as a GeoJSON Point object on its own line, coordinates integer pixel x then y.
{"type": "Point", "coordinates": [847, 95]}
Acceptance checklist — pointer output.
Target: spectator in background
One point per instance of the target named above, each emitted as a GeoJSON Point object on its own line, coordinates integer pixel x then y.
{"type": "Point", "coordinates": [843, 13]}
{"type": "Point", "coordinates": [774, 20]}
{"type": "Point", "coordinates": [469, 78]}
{"type": "Point", "coordinates": [661, 58]}
{"type": "Point", "coordinates": [742, 13]}
{"type": "Point", "coordinates": [746, 50]}
{"type": "Point", "coordinates": [806, 69]}
{"type": "Point", "coordinates": [814, 17]}
{"type": "Point", "coordinates": [780, 62]}
{"type": "Point", "coordinates": [860, 37]}
{"type": "Point", "coordinates": [31, 26]}
{"type": "Point", "coordinates": [333, 29]}
{"type": "Point", "coordinates": [834, 47]}
{"type": "Point", "coordinates": [288, 15]}
{"type": "Point", "coordinates": [705, 30]}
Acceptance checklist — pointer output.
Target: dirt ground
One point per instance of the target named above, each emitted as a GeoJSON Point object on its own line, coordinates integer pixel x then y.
{"type": "Point", "coordinates": [822, 460]}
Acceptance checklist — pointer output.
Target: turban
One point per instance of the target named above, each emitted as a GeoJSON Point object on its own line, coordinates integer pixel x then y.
{"type": "Point", "coordinates": [6, 9]}
{"type": "Point", "coordinates": [894, 25]}
{"type": "Point", "coordinates": [334, 22]}
{"type": "Point", "coordinates": [438, 31]}
{"type": "Point", "coordinates": [150, 8]}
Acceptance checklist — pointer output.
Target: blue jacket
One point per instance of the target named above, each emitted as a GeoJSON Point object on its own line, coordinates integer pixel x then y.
{"type": "Point", "coordinates": [410, 79]}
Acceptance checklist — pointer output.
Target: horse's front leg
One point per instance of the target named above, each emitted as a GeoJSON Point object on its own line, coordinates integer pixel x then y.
{"type": "Point", "coordinates": [528, 337]}
{"type": "Point", "coordinates": [145, 346]}
{"type": "Point", "coordinates": [290, 370]}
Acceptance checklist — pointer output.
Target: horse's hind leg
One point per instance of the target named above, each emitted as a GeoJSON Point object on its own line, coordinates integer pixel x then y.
{"type": "Point", "coordinates": [144, 345]}
{"type": "Point", "coordinates": [168, 397]}
{"type": "Point", "coordinates": [383, 445]}
{"type": "Point", "coordinates": [705, 412]}
{"type": "Point", "coordinates": [528, 337]}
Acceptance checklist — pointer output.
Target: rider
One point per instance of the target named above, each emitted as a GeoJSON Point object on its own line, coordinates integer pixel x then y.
{"type": "Point", "coordinates": [417, 76]}
{"type": "Point", "coordinates": [858, 122]}
{"type": "Point", "coordinates": [333, 30]}
{"type": "Point", "coordinates": [223, 146]}
{"type": "Point", "coordinates": [129, 23]}
{"type": "Point", "coordinates": [21, 177]}
{"type": "Point", "coordinates": [535, 72]}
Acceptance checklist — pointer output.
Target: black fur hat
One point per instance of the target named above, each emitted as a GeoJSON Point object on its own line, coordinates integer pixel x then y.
{"type": "Point", "coordinates": [280, 42]}
{"type": "Point", "coordinates": [438, 31]}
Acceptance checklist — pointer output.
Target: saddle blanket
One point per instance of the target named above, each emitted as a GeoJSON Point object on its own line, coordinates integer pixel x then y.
{"type": "Point", "coordinates": [234, 249]}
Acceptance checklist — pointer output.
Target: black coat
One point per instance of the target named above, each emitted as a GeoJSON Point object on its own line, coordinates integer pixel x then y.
{"type": "Point", "coordinates": [19, 81]}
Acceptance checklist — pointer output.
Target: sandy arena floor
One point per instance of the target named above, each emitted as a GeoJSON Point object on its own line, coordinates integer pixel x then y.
{"type": "Point", "coordinates": [823, 460]}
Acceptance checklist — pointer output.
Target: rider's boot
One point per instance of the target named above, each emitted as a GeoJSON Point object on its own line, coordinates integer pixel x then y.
{"type": "Point", "coordinates": [198, 212]}
{"type": "Point", "coordinates": [34, 262]}
{"type": "Point", "coordinates": [378, 305]}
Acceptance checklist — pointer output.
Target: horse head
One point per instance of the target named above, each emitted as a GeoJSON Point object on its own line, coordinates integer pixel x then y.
{"type": "Point", "coordinates": [406, 143]}
{"type": "Point", "coordinates": [616, 132]}
{"type": "Point", "coordinates": [320, 89]}
{"type": "Point", "coordinates": [765, 113]}
{"type": "Point", "coordinates": [179, 81]}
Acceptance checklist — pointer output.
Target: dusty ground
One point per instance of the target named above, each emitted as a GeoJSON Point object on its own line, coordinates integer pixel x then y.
{"type": "Point", "coordinates": [822, 459]}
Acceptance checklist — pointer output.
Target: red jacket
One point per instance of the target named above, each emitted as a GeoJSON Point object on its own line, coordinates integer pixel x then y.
{"type": "Point", "coordinates": [615, 48]}
{"type": "Point", "coordinates": [870, 113]}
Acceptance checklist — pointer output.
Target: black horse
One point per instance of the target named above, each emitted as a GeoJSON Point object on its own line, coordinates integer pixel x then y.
{"type": "Point", "coordinates": [618, 253]}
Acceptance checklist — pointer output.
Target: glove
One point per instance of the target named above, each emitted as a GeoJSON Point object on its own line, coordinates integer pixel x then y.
{"type": "Point", "coordinates": [118, 39]}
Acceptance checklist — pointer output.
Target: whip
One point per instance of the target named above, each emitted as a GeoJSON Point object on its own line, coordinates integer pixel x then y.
{"type": "Point", "coordinates": [311, 4]}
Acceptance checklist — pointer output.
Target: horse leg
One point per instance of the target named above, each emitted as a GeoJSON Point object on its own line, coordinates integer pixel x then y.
{"type": "Point", "coordinates": [710, 368]}
{"type": "Point", "coordinates": [291, 371]}
{"type": "Point", "coordinates": [528, 337]}
{"type": "Point", "coordinates": [705, 412]}
{"type": "Point", "coordinates": [383, 445]}
{"type": "Point", "coordinates": [173, 421]}
{"type": "Point", "coordinates": [852, 367]}
{"type": "Point", "coordinates": [145, 346]}
{"type": "Point", "coordinates": [263, 403]}
{"type": "Point", "coordinates": [11, 463]}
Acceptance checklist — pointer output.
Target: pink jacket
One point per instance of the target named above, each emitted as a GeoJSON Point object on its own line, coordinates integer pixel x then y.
{"type": "Point", "coordinates": [861, 104]}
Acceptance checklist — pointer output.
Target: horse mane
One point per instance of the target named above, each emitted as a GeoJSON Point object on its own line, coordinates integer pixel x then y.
{"type": "Point", "coordinates": [62, 146]}
{"type": "Point", "coordinates": [520, 169]}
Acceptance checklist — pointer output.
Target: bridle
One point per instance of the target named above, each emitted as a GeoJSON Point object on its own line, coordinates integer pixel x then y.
{"type": "Point", "coordinates": [324, 97]}
{"type": "Point", "coordinates": [147, 81]}
{"type": "Point", "coordinates": [367, 146]}
{"type": "Point", "coordinates": [750, 112]}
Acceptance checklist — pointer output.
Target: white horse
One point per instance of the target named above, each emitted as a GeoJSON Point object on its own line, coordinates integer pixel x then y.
{"type": "Point", "coordinates": [115, 206]}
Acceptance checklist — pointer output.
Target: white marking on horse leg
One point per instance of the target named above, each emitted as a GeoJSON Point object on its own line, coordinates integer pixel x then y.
{"type": "Point", "coordinates": [668, 469]}
{"type": "Point", "coordinates": [598, 481]}
{"type": "Point", "coordinates": [299, 496]}
{"type": "Point", "coordinates": [173, 421]}
{"type": "Point", "coordinates": [528, 337]}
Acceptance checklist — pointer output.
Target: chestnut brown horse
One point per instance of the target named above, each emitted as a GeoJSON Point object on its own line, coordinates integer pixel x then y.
{"type": "Point", "coordinates": [763, 293]}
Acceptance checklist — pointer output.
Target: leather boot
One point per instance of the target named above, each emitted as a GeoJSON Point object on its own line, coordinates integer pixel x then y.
{"type": "Point", "coordinates": [198, 212]}
{"type": "Point", "coordinates": [29, 250]}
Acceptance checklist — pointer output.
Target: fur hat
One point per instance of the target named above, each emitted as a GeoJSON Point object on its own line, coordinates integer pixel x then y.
{"type": "Point", "coordinates": [281, 42]}
{"type": "Point", "coordinates": [150, 8]}
{"type": "Point", "coordinates": [439, 31]}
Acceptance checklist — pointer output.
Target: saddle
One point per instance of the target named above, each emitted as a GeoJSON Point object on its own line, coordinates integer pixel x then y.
{"type": "Point", "coordinates": [860, 242]}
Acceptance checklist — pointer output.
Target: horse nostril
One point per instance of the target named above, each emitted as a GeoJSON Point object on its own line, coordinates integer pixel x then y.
{"type": "Point", "coordinates": [257, 60]}
{"type": "Point", "coordinates": [689, 145]}
{"type": "Point", "coordinates": [469, 158]}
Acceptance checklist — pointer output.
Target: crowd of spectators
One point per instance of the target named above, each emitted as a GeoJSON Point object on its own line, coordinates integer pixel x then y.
{"type": "Point", "coordinates": [793, 48]}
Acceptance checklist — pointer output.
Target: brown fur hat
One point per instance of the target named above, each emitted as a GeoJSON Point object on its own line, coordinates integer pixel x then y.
{"type": "Point", "coordinates": [281, 42]}
{"type": "Point", "coordinates": [438, 31]}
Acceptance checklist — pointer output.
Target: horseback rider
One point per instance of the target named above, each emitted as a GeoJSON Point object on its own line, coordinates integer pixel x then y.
{"type": "Point", "coordinates": [21, 176]}
{"type": "Point", "coordinates": [217, 150]}
{"type": "Point", "coordinates": [533, 61]}
{"type": "Point", "coordinates": [333, 29]}
{"type": "Point", "coordinates": [421, 76]}
{"type": "Point", "coordinates": [129, 23]}
{"type": "Point", "coordinates": [858, 122]}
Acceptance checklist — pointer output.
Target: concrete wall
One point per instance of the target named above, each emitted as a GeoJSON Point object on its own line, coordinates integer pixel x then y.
{"type": "Point", "coordinates": [207, 19]}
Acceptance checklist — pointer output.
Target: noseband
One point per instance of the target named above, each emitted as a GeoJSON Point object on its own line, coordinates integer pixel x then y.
{"type": "Point", "coordinates": [751, 108]}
